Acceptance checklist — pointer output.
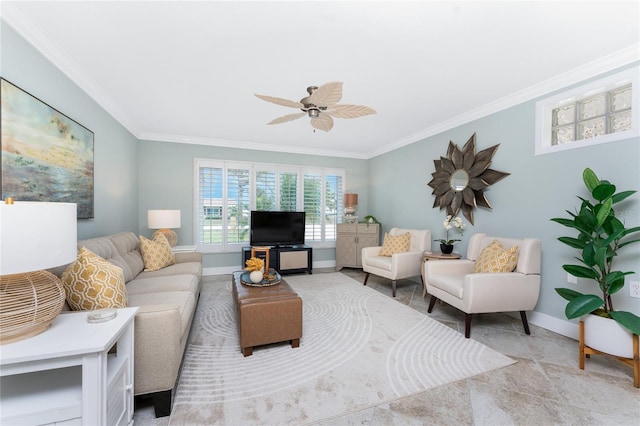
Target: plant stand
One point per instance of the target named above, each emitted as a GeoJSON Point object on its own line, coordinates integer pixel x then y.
{"type": "Point", "coordinates": [586, 352]}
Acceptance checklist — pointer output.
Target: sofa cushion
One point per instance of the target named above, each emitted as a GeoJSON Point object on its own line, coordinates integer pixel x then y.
{"type": "Point", "coordinates": [494, 258]}
{"type": "Point", "coordinates": [156, 253]}
{"type": "Point", "coordinates": [185, 301]}
{"type": "Point", "coordinates": [193, 268]}
{"type": "Point", "coordinates": [92, 283]}
{"type": "Point", "coordinates": [126, 243]}
{"type": "Point", "coordinates": [395, 244]}
{"type": "Point", "coordinates": [103, 247]}
{"type": "Point", "coordinates": [184, 282]}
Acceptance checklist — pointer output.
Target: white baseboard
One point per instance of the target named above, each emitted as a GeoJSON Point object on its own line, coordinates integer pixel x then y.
{"type": "Point", "coordinates": [557, 325]}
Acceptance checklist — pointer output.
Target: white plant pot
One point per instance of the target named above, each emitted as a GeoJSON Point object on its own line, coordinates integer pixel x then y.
{"type": "Point", "coordinates": [255, 276]}
{"type": "Point", "coordinates": [606, 335]}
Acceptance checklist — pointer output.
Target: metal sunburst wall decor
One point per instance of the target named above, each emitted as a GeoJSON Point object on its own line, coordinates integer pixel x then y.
{"type": "Point", "coordinates": [461, 177]}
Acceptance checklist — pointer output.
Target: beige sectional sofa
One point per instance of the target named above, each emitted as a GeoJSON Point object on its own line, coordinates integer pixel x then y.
{"type": "Point", "coordinates": [167, 300]}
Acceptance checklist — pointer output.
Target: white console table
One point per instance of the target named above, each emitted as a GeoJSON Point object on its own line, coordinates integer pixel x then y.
{"type": "Point", "coordinates": [72, 373]}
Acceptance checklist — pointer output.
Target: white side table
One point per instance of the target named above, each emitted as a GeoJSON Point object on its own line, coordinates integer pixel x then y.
{"type": "Point", "coordinates": [66, 374]}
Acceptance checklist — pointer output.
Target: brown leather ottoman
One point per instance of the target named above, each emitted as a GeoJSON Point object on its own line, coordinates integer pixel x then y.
{"type": "Point", "coordinates": [266, 315]}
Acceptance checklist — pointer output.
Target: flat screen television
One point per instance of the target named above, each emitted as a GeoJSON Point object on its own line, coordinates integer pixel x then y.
{"type": "Point", "coordinates": [270, 228]}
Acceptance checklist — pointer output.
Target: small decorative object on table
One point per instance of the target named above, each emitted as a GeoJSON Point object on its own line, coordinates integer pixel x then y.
{"type": "Point", "coordinates": [101, 315]}
{"type": "Point", "coordinates": [370, 219]}
{"type": "Point", "coordinates": [255, 275]}
{"type": "Point", "coordinates": [446, 248]}
{"type": "Point", "coordinates": [446, 245]}
{"type": "Point", "coordinates": [258, 249]}
{"type": "Point", "coordinates": [255, 266]}
{"type": "Point", "coordinates": [272, 278]}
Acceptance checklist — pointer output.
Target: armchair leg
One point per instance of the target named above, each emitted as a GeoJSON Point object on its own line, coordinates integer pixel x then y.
{"type": "Point", "coordinates": [467, 325]}
{"type": "Point", "coordinates": [366, 277]}
{"type": "Point", "coordinates": [432, 303]}
{"type": "Point", "coordinates": [393, 288]}
{"type": "Point", "coordinates": [525, 323]}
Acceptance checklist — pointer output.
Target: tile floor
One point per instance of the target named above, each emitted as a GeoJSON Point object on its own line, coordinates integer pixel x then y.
{"type": "Point", "coordinates": [545, 386]}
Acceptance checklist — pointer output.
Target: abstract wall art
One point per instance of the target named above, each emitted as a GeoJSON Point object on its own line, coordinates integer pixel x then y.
{"type": "Point", "coordinates": [46, 156]}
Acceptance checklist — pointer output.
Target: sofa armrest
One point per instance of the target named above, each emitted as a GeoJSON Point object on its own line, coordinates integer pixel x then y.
{"type": "Point", "coordinates": [406, 264]}
{"type": "Point", "coordinates": [448, 267]}
{"type": "Point", "coordinates": [194, 256]}
{"type": "Point", "coordinates": [369, 252]}
{"type": "Point", "coordinates": [158, 349]}
{"type": "Point", "coordinates": [500, 292]}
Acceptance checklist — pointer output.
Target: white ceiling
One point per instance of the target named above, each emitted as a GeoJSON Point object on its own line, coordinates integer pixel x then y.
{"type": "Point", "coordinates": [187, 71]}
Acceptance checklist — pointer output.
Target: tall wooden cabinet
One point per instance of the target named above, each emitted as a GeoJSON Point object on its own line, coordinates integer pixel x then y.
{"type": "Point", "coordinates": [351, 239]}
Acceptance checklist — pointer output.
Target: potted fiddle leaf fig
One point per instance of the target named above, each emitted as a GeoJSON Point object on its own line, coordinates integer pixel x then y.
{"type": "Point", "coordinates": [600, 238]}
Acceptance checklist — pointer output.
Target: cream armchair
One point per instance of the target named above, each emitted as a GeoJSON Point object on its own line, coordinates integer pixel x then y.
{"type": "Point", "coordinates": [399, 265]}
{"type": "Point", "coordinates": [453, 282]}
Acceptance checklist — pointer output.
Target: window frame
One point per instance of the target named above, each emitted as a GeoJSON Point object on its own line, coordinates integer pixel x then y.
{"type": "Point", "coordinates": [544, 112]}
{"type": "Point", "coordinates": [254, 168]}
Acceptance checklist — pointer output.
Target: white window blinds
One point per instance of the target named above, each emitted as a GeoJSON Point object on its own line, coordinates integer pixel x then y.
{"type": "Point", "coordinates": [226, 192]}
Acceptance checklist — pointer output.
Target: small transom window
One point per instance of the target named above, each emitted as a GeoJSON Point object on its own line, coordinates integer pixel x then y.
{"type": "Point", "coordinates": [596, 113]}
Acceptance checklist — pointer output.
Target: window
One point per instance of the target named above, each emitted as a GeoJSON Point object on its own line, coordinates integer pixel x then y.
{"type": "Point", "coordinates": [600, 112]}
{"type": "Point", "coordinates": [226, 192]}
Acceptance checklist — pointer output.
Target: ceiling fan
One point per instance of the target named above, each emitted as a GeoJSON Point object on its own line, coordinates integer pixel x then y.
{"type": "Point", "coordinates": [321, 105]}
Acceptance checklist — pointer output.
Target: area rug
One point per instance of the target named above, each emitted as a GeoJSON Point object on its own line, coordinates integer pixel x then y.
{"type": "Point", "coordinates": [359, 348]}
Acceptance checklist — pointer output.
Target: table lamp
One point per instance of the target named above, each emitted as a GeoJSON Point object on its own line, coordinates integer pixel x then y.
{"type": "Point", "coordinates": [33, 236]}
{"type": "Point", "coordinates": [163, 220]}
{"type": "Point", "coordinates": [350, 203]}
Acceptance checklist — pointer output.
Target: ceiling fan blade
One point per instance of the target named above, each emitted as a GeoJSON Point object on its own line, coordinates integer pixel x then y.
{"type": "Point", "coordinates": [322, 122]}
{"type": "Point", "coordinates": [349, 111]}
{"type": "Point", "coordinates": [289, 117]}
{"type": "Point", "coordinates": [280, 101]}
{"type": "Point", "coordinates": [327, 94]}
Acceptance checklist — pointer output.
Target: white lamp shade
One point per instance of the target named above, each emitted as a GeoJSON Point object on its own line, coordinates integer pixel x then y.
{"type": "Point", "coordinates": [160, 219]}
{"type": "Point", "coordinates": [37, 235]}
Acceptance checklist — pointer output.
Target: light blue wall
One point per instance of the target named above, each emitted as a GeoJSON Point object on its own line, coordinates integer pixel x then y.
{"type": "Point", "coordinates": [115, 149]}
{"type": "Point", "coordinates": [166, 181]}
{"type": "Point", "coordinates": [539, 188]}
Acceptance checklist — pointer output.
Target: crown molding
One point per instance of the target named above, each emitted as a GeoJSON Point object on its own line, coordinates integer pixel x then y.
{"type": "Point", "coordinates": [12, 16]}
{"type": "Point", "coordinates": [230, 143]}
{"type": "Point", "coordinates": [607, 63]}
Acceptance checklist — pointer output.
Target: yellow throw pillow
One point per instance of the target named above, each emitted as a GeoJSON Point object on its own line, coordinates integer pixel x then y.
{"type": "Point", "coordinates": [156, 253]}
{"type": "Point", "coordinates": [494, 258]}
{"type": "Point", "coordinates": [92, 283]}
{"type": "Point", "coordinates": [395, 244]}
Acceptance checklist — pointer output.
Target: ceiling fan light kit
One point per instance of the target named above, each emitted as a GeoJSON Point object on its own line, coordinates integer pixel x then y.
{"type": "Point", "coordinates": [320, 106]}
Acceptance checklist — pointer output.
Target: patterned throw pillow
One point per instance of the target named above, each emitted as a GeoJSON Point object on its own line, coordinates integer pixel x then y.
{"type": "Point", "coordinates": [494, 258]}
{"type": "Point", "coordinates": [92, 283]}
{"type": "Point", "coordinates": [395, 244]}
{"type": "Point", "coordinates": [156, 253]}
